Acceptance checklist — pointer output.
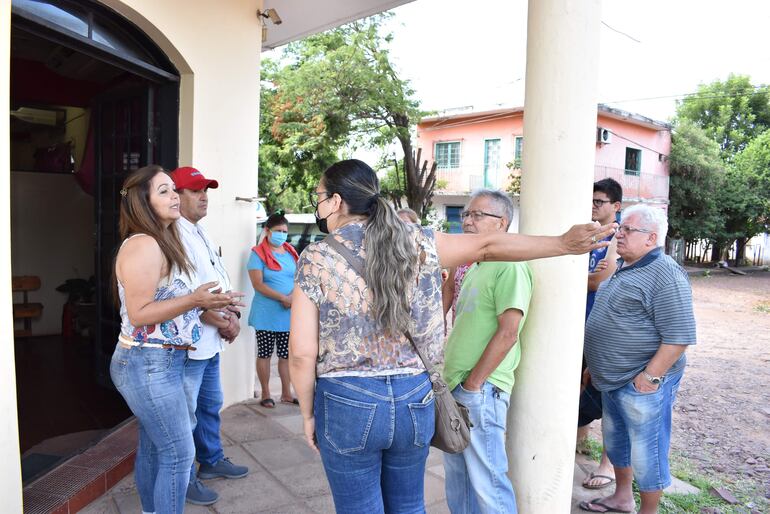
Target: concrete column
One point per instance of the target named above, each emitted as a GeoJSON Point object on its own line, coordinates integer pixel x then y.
{"type": "Point", "coordinates": [558, 165]}
{"type": "Point", "coordinates": [10, 477]}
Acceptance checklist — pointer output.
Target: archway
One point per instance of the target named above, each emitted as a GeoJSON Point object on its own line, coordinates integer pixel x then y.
{"type": "Point", "coordinates": [92, 98]}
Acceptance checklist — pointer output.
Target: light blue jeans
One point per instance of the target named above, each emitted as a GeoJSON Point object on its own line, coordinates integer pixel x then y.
{"type": "Point", "coordinates": [477, 479]}
{"type": "Point", "coordinates": [151, 382]}
{"type": "Point", "coordinates": [636, 429]}
{"type": "Point", "coordinates": [374, 435]}
{"type": "Point", "coordinates": [203, 389]}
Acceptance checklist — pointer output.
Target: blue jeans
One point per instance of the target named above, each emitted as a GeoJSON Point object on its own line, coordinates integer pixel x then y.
{"type": "Point", "coordinates": [374, 435]}
{"type": "Point", "coordinates": [477, 479]}
{"type": "Point", "coordinates": [203, 390]}
{"type": "Point", "coordinates": [637, 431]}
{"type": "Point", "coordinates": [151, 382]}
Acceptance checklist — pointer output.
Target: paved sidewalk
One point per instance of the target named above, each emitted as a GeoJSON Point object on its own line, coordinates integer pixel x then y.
{"type": "Point", "coordinates": [286, 477]}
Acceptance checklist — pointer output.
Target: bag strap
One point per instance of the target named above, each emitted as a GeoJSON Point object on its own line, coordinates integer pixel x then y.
{"type": "Point", "coordinates": [357, 263]}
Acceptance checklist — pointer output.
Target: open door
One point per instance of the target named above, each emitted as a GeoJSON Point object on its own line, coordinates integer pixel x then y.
{"type": "Point", "coordinates": [92, 98]}
{"type": "Point", "coordinates": [129, 126]}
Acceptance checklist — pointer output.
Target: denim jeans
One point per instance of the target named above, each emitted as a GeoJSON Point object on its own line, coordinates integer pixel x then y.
{"type": "Point", "coordinates": [590, 408]}
{"type": "Point", "coordinates": [374, 435]}
{"type": "Point", "coordinates": [151, 382]}
{"type": "Point", "coordinates": [637, 431]}
{"type": "Point", "coordinates": [477, 479]}
{"type": "Point", "coordinates": [203, 390]}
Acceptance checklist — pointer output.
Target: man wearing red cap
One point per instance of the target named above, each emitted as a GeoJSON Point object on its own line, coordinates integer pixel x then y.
{"type": "Point", "coordinates": [202, 384]}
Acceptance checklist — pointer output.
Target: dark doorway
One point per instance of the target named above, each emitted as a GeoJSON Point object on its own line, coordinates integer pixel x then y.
{"type": "Point", "coordinates": [92, 98]}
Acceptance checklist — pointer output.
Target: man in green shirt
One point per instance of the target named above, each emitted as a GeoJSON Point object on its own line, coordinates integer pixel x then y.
{"type": "Point", "coordinates": [480, 359]}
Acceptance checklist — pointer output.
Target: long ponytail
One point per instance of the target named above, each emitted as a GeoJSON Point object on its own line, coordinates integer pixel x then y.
{"type": "Point", "coordinates": [391, 257]}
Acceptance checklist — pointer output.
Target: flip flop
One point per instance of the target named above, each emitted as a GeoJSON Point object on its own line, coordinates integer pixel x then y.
{"type": "Point", "coordinates": [267, 403]}
{"type": "Point", "coordinates": [596, 502]}
{"type": "Point", "coordinates": [293, 401]}
{"type": "Point", "coordinates": [602, 485]}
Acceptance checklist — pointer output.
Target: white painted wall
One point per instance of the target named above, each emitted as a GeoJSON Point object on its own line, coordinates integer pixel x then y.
{"type": "Point", "coordinates": [10, 475]}
{"type": "Point", "coordinates": [54, 243]}
{"type": "Point", "coordinates": [562, 48]}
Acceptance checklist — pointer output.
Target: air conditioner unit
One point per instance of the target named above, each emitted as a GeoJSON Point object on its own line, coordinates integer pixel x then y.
{"type": "Point", "coordinates": [603, 135]}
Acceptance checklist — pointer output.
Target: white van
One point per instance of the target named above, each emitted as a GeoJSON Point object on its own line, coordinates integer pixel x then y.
{"type": "Point", "coordinates": [302, 230]}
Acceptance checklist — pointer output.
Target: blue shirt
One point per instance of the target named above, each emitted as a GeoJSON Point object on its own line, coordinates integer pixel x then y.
{"type": "Point", "coordinates": [266, 313]}
{"type": "Point", "coordinates": [594, 257]}
{"type": "Point", "coordinates": [640, 307]}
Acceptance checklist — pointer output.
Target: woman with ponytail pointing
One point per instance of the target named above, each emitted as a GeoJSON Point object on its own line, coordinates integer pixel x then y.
{"type": "Point", "coordinates": [271, 266]}
{"type": "Point", "coordinates": [366, 400]}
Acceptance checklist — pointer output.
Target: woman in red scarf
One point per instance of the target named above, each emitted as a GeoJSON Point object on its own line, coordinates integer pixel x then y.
{"type": "Point", "coordinates": [271, 266]}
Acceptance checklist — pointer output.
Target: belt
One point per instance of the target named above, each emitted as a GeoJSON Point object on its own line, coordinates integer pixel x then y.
{"type": "Point", "coordinates": [125, 342]}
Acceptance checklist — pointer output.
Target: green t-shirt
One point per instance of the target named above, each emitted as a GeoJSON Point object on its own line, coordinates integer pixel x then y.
{"type": "Point", "coordinates": [488, 290]}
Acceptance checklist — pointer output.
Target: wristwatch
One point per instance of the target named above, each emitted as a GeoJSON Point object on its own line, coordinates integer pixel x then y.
{"type": "Point", "coordinates": [651, 379]}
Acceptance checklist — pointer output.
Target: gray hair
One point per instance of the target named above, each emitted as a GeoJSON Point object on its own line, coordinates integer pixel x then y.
{"type": "Point", "coordinates": [651, 218]}
{"type": "Point", "coordinates": [500, 199]}
{"type": "Point", "coordinates": [409, 213]}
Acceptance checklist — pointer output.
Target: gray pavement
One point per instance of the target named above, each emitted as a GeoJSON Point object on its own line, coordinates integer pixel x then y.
{"type": "Point", "coordinates": [287, 477]}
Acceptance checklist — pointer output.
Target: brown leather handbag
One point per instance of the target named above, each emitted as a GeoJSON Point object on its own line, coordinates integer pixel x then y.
{"type": "Point", "coordinates": [452, 433]}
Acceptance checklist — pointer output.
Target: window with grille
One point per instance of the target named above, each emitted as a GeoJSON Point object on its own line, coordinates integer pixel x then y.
{"type": "Point", "coordinates": [447, 155]}
{"type": "Point", "coordinates": [633, 161]}
{"type": "Point", "coordinates": [518, 143]}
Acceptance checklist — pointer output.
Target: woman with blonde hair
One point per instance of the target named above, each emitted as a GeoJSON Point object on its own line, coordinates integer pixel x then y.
{"type": "Point", "coordinates": [160, 321]}
{"type": "Point", "coordinates": [364, 394]}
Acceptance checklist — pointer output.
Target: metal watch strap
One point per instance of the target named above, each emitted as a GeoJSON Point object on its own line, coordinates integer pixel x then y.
{"type": "Point", "coordinates": [651, 379]}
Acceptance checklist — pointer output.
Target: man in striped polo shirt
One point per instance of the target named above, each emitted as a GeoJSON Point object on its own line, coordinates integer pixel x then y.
{"type": "Point", "coordinates": [636, 335]}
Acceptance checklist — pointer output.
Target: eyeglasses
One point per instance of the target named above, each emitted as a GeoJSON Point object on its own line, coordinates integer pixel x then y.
{"type": "Point", "coordinates": [478, 215]}
{"type": "Point", "coordinates": [315, 198]}
{"type": "Point", "coordinates": [627, 230]}
{"type": "Point", "coordinates": [598, 202]}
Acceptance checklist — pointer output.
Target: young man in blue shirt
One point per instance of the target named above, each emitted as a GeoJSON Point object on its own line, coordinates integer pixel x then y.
{"type": "Point", "coordinates": [607, 198]}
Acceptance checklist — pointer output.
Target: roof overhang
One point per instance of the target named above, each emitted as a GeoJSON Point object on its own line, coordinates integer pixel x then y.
{"type": "Point", "coordinates": [636, 119]}
{"type": "Point", "coordinates": [303, 18]}
{"type": "Point", "coordinates": [602, 110]}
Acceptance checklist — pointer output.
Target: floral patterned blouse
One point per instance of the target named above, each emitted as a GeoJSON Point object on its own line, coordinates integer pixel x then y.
{"type": "Point", "coordinates": [350, 342]}
{"type": "Point", "coordinates": [184, 329]}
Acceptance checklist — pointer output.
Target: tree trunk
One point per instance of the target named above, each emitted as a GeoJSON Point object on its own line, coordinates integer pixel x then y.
{"type": "Point", "coordinates": [740, 250]}
{"type": "Point", "coordinates": [716, 251]}
{"type": "Point", "coordinates": [419, 181]}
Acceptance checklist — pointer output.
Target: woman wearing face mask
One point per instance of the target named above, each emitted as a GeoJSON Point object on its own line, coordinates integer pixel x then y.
{"type": "Point", "coordinates": [365, 397]}
{"type": "Point", "coordinates": [271, 269]}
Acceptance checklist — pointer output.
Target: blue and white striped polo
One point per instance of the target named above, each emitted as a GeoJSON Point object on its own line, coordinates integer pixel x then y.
{"type": "Point", "coordinates": [637, 309]}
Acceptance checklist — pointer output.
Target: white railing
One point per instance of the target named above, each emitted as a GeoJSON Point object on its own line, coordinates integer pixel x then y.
{"type": "Point", "coordinates": [644, 186]}
{"type": "Point", "coordinates": [466, 179]}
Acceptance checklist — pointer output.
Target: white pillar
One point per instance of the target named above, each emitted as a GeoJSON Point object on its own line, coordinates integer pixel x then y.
{"type": "Point", "coordinates": [10, 477]}
{"type": "Point", "coordinates": [558, 160]}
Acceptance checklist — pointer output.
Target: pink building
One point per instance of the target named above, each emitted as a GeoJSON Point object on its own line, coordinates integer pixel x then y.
{"type": "Point", "coordinates": [483, 149]}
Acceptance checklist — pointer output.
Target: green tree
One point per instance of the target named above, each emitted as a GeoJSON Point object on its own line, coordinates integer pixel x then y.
{"type": "Point", "coordinates": [295, 145]}
{"type": "Point", "coordinates": [336, 87]}
{"type": "Point", "coordinates": [746, 196]}
{"type": "Point", "coordinates": [696, 176]}
{"type": "Point", "coordinates": [732, 112]}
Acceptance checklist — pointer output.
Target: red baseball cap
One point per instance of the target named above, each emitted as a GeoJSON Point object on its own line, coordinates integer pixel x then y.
{"type": "Point", "coordinates": [190, 178]}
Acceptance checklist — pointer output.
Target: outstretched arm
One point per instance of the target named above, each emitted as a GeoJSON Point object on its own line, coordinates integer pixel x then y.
{"type": "Point", "coordinates": [456, 249]}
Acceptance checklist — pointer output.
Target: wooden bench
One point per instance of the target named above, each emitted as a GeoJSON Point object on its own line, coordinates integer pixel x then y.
{"type": "Point", "coordinates": [26, 311]}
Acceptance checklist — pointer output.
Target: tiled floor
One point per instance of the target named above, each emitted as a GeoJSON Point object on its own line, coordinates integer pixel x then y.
{"type": "Point", "coordinates": [286, 476]}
